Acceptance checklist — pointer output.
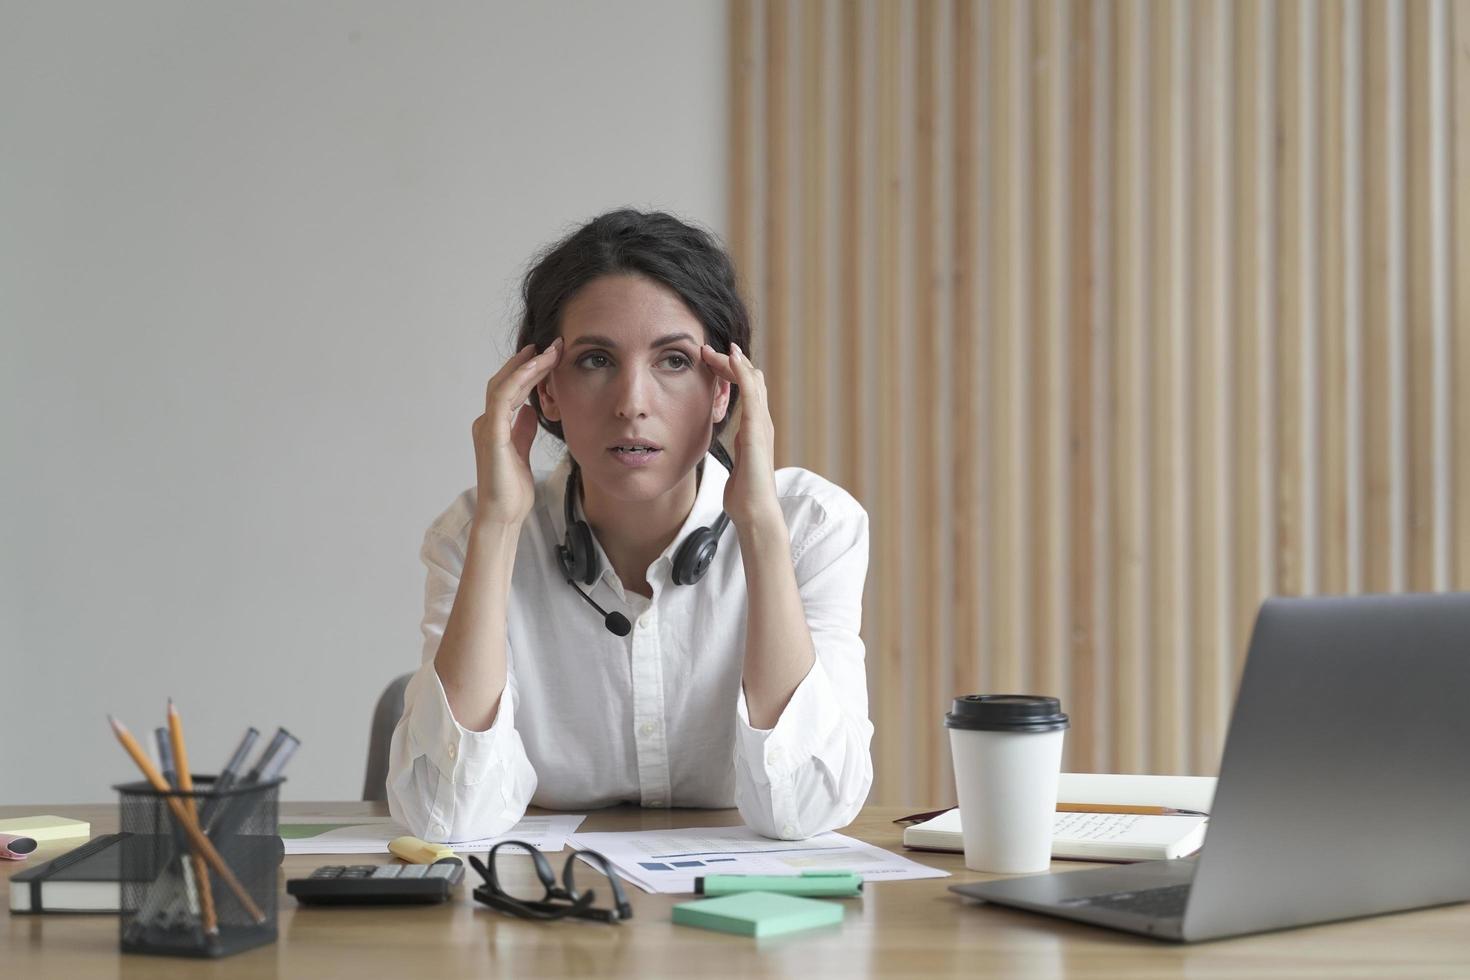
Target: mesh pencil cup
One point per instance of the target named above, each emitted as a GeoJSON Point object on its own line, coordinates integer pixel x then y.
{"type": "Point", "coordinates": [181, 900]}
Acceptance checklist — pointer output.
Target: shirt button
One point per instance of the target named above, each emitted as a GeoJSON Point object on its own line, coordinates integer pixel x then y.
{"type": "Point", "coordinates": [453, 750]}
{"type": "Point", "coordinates": [648, 728]}
{"type": "Point", "coordinates": [788, 831]}
{"type": "Point", "coordinates": [643, 622]}
{"type": "Point", "coordinates": [773, 757]}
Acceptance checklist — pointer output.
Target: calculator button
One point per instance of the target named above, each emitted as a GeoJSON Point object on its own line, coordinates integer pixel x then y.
{"type": "Point", "coordinates": [327, 872]}
{"type": "Point", "coordinates": [386, 871]}
{"type": "Point", "coordinates": [441, 870]}
{"type": "Point", "coordinates": [413, 871]}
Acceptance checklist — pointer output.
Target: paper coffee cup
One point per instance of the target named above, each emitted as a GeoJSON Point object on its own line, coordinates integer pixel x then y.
{"type": "Point", "coordinates": [1007, 751]}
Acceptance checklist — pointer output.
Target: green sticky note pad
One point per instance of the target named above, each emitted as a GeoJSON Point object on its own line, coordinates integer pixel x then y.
{"type": "Point", "coordinates": [758, 913]}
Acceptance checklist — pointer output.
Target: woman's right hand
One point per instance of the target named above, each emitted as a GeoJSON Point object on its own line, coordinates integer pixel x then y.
{"type": "Point", "coordinates": [503, 437]}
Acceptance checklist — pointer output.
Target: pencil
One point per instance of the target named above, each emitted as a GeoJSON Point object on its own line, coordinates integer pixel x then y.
{"type": "Point", "coordinates": [186, 783]}
{"type": "Point", "coordinates": [1158, 811]}
{"type": "Point", "coordinates": [191, 828]}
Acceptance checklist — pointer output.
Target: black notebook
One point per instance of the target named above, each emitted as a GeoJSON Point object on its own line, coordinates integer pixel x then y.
{"type": "Point", "coordinates": [81, 880]}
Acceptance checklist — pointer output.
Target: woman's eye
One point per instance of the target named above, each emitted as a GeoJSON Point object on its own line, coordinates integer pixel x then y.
{"type": "Point", "coordinates": [588, 359]}
{"type": "Point", "coordinates": [679, 360]}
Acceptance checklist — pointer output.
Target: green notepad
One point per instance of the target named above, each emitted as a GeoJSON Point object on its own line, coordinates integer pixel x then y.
{"type": "Point", "coordinates": [758, 914]}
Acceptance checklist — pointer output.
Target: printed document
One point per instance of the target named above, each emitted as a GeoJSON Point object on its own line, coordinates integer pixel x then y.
{"type": "Point", "coordinates": [669, 860]}
{"type": "Point", "coordinates": [324, 834]}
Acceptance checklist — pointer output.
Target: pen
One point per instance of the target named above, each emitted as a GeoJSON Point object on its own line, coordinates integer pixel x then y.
{"type": "Point", "coordinates": [165, 755]}
{"type": "Point", "coordinates": [830, 884]}
{"type": "Point", "coordinates": [286, 748]}
{"type": "Point", "coordinates": [276, 742]}
{"type": "Point", "coordinates": [228, 774]}
{"type": "Point", "coordinates": [1164, 811]}
{"type": "Point", "coordinates": [231, 771]}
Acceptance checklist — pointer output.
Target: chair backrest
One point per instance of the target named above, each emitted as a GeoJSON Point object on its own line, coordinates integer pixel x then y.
{"type": "Point", "coordinates": [385, 719]}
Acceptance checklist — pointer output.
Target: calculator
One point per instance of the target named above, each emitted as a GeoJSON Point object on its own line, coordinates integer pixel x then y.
{"type": "Point", "coordinates": [378, 884]}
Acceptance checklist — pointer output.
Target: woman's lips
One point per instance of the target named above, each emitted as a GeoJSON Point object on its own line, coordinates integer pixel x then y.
{"type": "Point", "coordinates": [635, 459]}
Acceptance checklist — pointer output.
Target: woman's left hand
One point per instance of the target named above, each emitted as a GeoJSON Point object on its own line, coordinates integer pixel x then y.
{"type": "Point", "coordinates": [750, 493]}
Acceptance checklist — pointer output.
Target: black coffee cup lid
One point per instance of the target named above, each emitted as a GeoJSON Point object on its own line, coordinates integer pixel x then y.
{"type": "Point", "coordinates": [1007, 713]}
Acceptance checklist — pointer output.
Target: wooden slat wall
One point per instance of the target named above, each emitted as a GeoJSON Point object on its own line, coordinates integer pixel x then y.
{"type": "Point", "coordinates": [1118, 317]}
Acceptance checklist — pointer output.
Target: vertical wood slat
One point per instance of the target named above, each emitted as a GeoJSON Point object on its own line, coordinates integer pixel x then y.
{"type": "Point", "coordinates": [1078, 613]}
{"type": "Point", "coordinates": [1291, 121]}
{"type": "Point", "coordinates": [815, 319]}
{"type": "Point", "coordinates": [1010, 367]}
{"type": "Point", "coordinates": [1329, 231]}
{"type": "Point", "coordinates": [926, 492]}
{"type": "Point", "coordinates": [742, 130]}
{"type": "Point", "coordinates": [1353, 290]}
{"type": "Point", "coordinates": [1418, 327]}
{"type": "Point", "coordinates": [1377, 503]}
{"type": "Point", "coordinates": [1440, 211]}
{"type": "Point", "coordinates": [1049, 396]}
{"type": "Point", "coordinates": [1206, 297]}
{"type": "Point", "coordinates": [1252, 190]}
{"type": "Point", "coordinates": [1212, 375]}
{"type": "Point", "coordinates": [893, 761]}
{"type": "Point", "coordinates": [1171, 593]}
{"type": "Point", "coordinates": [1459, 262]}
{"type": "Point", "coordinates": [776, 359]}
{"type": "Point", "coordinates": [964, 326]}
{"type": "Point", "coordinates": [1132, 560]}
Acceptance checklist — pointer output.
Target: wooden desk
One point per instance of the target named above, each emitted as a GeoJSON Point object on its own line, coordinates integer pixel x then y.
{"type": "Point", "coordinates": [898, 929]}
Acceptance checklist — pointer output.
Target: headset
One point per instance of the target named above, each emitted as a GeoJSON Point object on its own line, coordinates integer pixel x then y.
{"type": "Point", "coordinates": [578, 555]}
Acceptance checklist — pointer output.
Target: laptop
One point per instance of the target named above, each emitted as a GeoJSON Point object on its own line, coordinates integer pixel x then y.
{"type": "Point", "coordinates": [1344, 789]}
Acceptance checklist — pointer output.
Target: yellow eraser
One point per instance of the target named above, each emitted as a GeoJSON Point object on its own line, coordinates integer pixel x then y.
{"type": "Point", "coordinates": [416, 851]}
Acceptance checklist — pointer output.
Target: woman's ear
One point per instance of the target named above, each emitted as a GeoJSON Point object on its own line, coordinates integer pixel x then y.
{"type": "Point", "coordinates": [549, 407]}
{"type": "Point", "coordinates": [722, 399]}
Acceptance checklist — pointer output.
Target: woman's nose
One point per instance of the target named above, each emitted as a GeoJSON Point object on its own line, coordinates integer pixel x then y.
{"type": "Point", "coordinates": [632, 394]}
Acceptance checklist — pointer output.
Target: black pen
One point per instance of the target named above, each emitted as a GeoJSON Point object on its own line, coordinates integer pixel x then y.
{"type": "Point", "coordinates": [230, 772]}
{"type": "Point", "coordinates": [277, 762]}
{"type": "Point", "coordinates": [166, 756]}
{"type": "Point", "coordinates": [265, 757]}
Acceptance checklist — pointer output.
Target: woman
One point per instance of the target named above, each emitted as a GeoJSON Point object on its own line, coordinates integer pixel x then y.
{"type": "Point", "coordinates": [743, 682]}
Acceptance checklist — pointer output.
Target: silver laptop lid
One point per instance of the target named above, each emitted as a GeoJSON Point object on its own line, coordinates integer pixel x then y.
{"type": "Point", "coordinates": [1345, 783]}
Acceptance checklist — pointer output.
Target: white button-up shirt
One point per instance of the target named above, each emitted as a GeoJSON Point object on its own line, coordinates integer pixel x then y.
{"type": "Point", "coordinates": [658, 717]}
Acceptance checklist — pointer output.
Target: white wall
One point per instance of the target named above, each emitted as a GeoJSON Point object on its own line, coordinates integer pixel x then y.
{"type": "Point", "coordinates": [257, 261]}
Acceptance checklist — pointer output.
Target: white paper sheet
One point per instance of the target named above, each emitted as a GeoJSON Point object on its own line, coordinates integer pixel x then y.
{"type": "Point", "coordinates": [325, 834]}
{"type": "Point", "coordinates": [669, 860]}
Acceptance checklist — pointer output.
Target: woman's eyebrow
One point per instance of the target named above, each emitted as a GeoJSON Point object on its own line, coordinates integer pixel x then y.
{"type": "Point", "coordinates": [599, 340]}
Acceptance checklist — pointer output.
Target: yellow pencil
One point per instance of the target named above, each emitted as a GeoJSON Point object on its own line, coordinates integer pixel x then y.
{"type": "Point", "coordinates": [186, 783]}
{"type": "Point", "coordinates": [191, 827]}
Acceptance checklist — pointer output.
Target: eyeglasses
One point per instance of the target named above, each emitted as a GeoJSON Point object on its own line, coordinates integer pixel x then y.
{"type": "Point", "coordinates": [561, 901]}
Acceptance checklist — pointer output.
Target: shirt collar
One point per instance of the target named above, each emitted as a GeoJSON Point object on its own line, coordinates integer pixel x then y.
{"type": "Point", "coordinates": [709, 501]}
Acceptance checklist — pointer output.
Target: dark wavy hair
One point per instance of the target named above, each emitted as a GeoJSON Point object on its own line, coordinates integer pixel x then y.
{"type": "Point", "coordinates": [658, 246]}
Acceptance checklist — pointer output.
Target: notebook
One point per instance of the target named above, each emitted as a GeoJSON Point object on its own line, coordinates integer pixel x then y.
{"type": "Point", "coordinates": [1085, 836]}
{"type": "Point", "coordinates": [81, 880]}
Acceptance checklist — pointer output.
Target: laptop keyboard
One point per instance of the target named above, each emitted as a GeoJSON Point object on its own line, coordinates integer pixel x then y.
{"type": "Point", "coordinates": [1158, 903]}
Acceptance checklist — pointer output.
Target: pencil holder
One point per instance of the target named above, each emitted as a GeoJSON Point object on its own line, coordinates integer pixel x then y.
{"type": "Point", "coordinates": [181, 899]}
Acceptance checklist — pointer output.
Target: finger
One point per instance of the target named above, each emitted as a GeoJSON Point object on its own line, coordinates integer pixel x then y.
{"type": "Point", "coordinates": [528, 375]}
{"type": "Point", "coordinates": [719, 363]}
{"type": "Point", "coordinates": [516, 386]}
{"type": "Point", "coordinates": [506, 370]}
{"type": "Point", "coordinates": [752, 378]}
{"type": "Point", "coordinates": [523, 431]}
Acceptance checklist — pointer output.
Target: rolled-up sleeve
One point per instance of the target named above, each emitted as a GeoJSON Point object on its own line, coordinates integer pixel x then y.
{"type": "Point", "coordinates": [446, 782]}
{"type": "Point", "coordinates": [811, 773]}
